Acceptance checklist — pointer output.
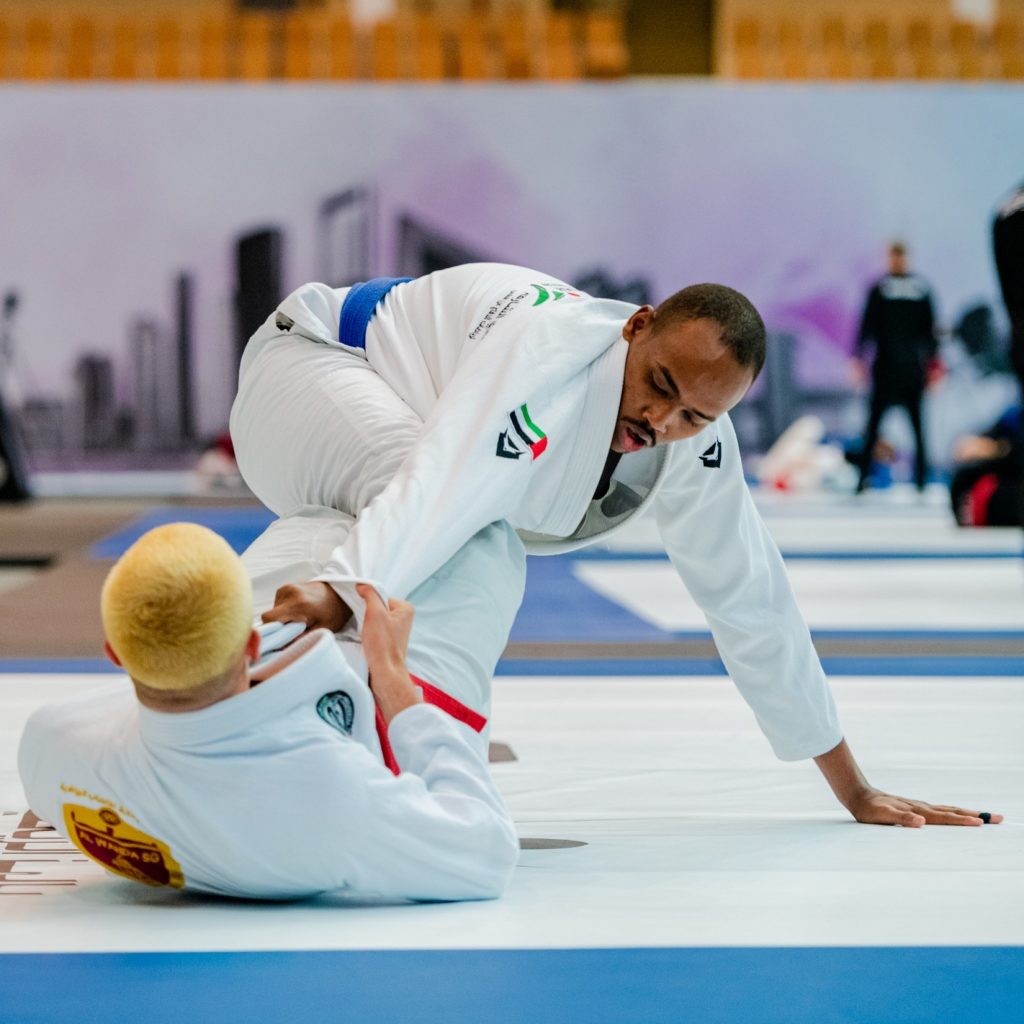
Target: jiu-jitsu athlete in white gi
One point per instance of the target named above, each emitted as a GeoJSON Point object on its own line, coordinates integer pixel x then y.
{"type": "Point", "coordinates": [275, 777]}
{"type": "Point", "coordinates": [431, 407]}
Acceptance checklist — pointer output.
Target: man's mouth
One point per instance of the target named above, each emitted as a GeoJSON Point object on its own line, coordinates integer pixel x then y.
{"type": "Point", "coordinates": [637, 437]}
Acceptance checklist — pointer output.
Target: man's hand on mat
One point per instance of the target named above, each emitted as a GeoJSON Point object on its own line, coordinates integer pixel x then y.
{"type": "Point", "coordinates": [873, 807]}
{"type": "Point", "coordinates": [385, 642]}
{"type": "Point", "coordinates": [315, 604]}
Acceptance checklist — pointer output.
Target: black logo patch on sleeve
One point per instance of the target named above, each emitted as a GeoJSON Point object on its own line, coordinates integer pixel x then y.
{"type": "Point", "coordinates": [712, 457]}
{"type": "Point", "coordinates": [338, 710]}
{"type": "Point", "coordinates": [283, 323]}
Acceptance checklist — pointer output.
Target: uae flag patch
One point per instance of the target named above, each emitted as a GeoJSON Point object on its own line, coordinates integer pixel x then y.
{"type": "Point", "coordinates": [521, 435]}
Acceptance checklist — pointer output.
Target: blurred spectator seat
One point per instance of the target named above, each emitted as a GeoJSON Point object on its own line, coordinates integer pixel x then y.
{"type": "Point", "coordinates": [969, 50]}
{"type": "Point", "coordinates": [341, 61]}
{"type": "Point", "coordinates": [475, 49]}
{"type": "Point", "coordinates": [924, 48]}
{"type": "Point", "coordinates": [213, 47]}
{"type": "Point", "coordinates": [1008, 43]}
{"type": "Point", "coordinates": [795, 54]}
{"type": "Point", "coordinates": [300, 47]}
{"type": "Point", "coordinates": [254, 42]}
{"type": "Point", "coordinates": [605, 50]}
{"type": "Point", "coordinates": [427, 49]}
{"type": "Point", "coordinates": [517, 54]}
{"type": "Point", "coordinates": [168, 46]}
{"type": "Point", "coordinates": [837, 44]}
{"type": "Point", "coordinates": [81, 48]}
{"type": "Point", "coordinates": [38, 49]}
{"type": "Point", "coordinates": [563, 56]}
{"type": "Point", "coordinates": [384, 52]}
{"type": "Point", "coordinates": [879, 50]}
{"type": "Point", "coordinates": [124, 51]}
{"type": "Point", "coordinates": [749, 41]}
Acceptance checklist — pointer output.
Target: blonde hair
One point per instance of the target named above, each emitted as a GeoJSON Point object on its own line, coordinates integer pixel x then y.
{"type": "Point", "coordinates": [177, 608]}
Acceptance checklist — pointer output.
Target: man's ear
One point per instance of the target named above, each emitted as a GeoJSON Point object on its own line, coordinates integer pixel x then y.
{"type": "Point", "coordinates": [109, 652]}
{"type": "Point", "coordinates": [252, 646]}
{"type": "Point", "coordinates": [640, 321]}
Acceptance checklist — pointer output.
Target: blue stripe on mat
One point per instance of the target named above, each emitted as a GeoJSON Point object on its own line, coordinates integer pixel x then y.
{"type": "Point", "coordinates": [238, 526]}
{"type": "Point", "coordinates": [600, 986]}
{"type": "Point", "coordinates": [54, 666]}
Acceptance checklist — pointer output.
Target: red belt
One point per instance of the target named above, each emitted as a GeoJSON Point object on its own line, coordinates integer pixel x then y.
{"type": "Point", "coordinates": [440, 699]}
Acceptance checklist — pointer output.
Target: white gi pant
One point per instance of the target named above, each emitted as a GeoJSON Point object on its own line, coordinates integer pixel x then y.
{"type": "Point", "coordinates": [314, 424]}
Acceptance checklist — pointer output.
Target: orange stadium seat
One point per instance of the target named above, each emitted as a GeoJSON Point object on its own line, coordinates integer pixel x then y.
{"type": "Point", "coordinates": [563, 55]}
{"type": "Point", "coordinates": [254, 38]}
{"type": "Point", "coordinates": [124, 53]}
{"type": "Point", "coordinates": [966, 49]}
{"type": "Point", "coordinates": [603, 39]}
{"type": "Point", "coordinates": [747, 32]}
{"type": "Point", "coordinates": [795, 55]}
{"type": "Point", "coordinates": [341, 43]}
{"type": "Point", "coordinates": [475, 49]}
{"type": "Point", "coordinates": [837, 45]}
{"type": "Point", "coordinates": [927, 47]}
{"type": "Point", "coordinates": [385, 50]}
{"type": "Point", "coordinates": [214, 48]}
{"type": "Point", "coordinates": [427, 47]}
{"type": "Point", "coordinates": [81, 48]}
{"type": "Point", "coordinates": [299, 44]}
{"type": "Point", "coordinates": [38, 49]}
{"type": "Point", "coordinates": [168, 44]}
{"type": "Point", "coordinates": [516, 53]}
{"type": "Point", "coordinates": [880, 49]}
{"type": "Point", "coordinates": [1008, 41]}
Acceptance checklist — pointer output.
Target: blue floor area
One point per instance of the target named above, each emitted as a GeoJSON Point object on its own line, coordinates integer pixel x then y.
{"type": "Point", "coordinates": [598, 986]}
{"type": "Point", "coordinates": [910, 665]}
{"type": "Point", "coordinates": [558, 607]}
{"type": "Point", "coordinates": [238, 526]}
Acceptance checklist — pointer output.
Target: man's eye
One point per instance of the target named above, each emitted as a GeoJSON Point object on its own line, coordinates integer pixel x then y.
{"type": "Point", "coordinates": [689, 417]}
{"type": "Point", "coordinates": [657, 387]}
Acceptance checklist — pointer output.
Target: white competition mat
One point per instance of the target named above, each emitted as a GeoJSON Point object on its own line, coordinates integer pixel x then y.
{"type": "Point", "coordinates": [696, 836]}
{"type": "Point", "coordinates": [847, 526]}
{"type": "Point", "coordinates": [846, 595]}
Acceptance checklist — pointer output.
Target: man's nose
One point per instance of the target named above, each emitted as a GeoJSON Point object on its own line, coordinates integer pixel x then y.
{"type": "Point", "coordinates": [660, 417]}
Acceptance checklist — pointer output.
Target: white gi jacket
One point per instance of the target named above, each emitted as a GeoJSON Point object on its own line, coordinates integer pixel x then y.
{"type": "Point", "coordinates": [518, 380]}
{"type": "Point", "coordinates": [277, 793]}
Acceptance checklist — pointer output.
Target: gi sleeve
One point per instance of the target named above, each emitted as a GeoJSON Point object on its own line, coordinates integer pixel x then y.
{"type": "Point", "coordinates": [460, 475]}
{"type": "Point", "coordinates": [438, 831]}
{"type": "Point", "coordinates": [730, 565]}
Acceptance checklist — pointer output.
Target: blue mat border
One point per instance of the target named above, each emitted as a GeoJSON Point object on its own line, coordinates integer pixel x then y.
{"type": "Point", "coordinates": [753, 985]}
{"type": "Point", "coordinates": [911, 665]}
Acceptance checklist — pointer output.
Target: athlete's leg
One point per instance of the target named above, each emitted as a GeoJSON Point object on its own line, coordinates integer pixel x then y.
{"type": "Point", "coordinates": [880, 402]}
{"type": "Point", "coordinates": [315, 425]}
{"type": "Point", "coordinates": [912, 403]}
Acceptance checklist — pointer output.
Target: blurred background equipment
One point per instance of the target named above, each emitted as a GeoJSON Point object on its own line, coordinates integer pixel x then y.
{"type": "Point", "coordinates": [14, 485]}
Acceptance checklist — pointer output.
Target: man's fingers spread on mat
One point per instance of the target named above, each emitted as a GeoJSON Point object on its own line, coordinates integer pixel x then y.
{"type": "Point", "coordinates": [936, 817]}
{"type": "Point", "coordinates": [986, 817]}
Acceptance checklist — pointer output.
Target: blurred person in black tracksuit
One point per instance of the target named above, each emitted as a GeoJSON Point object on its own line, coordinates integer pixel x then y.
{"type": "Point", "coordinates": [899, 322]}
{"type": "Point", "coordinates": [1008, 246]}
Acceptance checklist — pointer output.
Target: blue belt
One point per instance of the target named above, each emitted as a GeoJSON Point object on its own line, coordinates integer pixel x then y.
{"type": "Point", "coordinates": [359, 306]}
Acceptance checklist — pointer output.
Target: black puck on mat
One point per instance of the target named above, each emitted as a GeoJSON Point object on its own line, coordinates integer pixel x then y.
{"type": "Point", "coordinates": [985, 816]}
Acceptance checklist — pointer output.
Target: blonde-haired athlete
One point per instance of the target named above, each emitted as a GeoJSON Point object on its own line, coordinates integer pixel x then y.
{"type": "Point", "coordinates": [177, 614]}
{"type": "Point", "coordinates": [287, 776]}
